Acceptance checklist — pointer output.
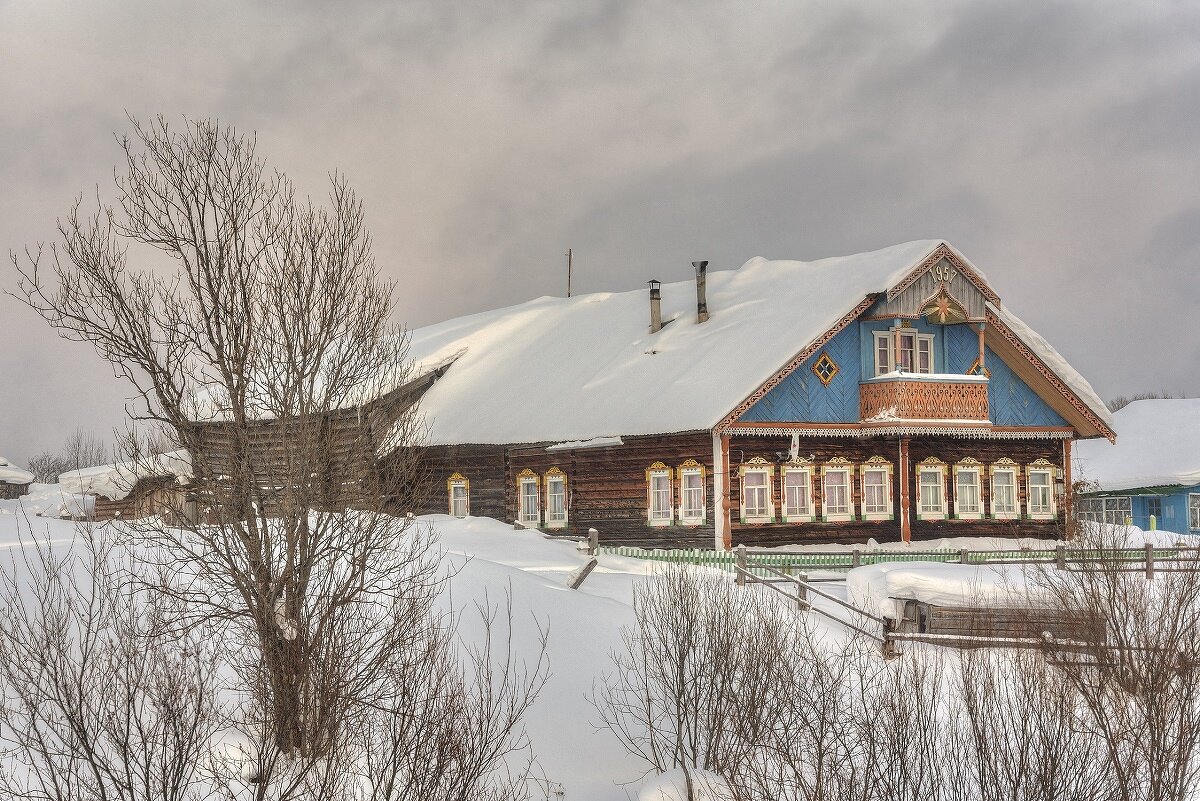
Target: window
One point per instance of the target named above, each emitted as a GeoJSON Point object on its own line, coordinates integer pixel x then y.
{"type": "Point", "coordinates": [1116, 510]}
{"type": "Point", "coordinates": [968, 497]}
{"type": "Point", "coordinates": [836, 502]}
{"type": "Point", "coordinates": [877, 489]}
{"type": "Point", "coordinates": [530, 514]}
{"type": "Point", "coordinates": [556, 498]}
{"type": "Point", "coordinates": [1004, 491]}
{"type": "Point", "coordinates": [691, 493]}
{"type": "Point", "coordinates": [1194, 511]}
{"type": "Point", "coordinates": [459, 495]}
{"type": "Point", "coordinates": [1041, 492]}
{"type": "Point", "coordinates": [915, 351]}
{"type": "Point", "coordinates": [658, 487]}
{"type": "Point", "coordinates": [931, 490]}
{"type": "Point", "coordinates": [756, 491]}
{"type": "Point", "coordinates": [1154, 508]}
{"type": "Point", "coordinates": [797, 494]}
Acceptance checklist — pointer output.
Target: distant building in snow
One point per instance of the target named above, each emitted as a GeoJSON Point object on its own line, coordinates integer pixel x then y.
{"type": "Point", "coordinates": [14, 482]}
{"type": "Point", "coordinates": [887, 395]}
{"type": "Point", "coordinates": [152, 485]}
{"type": "Point", "coordinates": [1153, 470]}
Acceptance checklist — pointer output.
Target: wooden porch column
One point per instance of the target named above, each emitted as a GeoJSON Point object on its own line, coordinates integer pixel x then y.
{"type": "Point", "coordinates": [982, 350]}
{"type": "Point", "coordinates": [726, 517]}
{"type": "Point", "coordinates": [896, 345]}
{"type": "Point", "coordinates": [905, 503]}
{"type": "Point", "coordinates": [1068, 490]}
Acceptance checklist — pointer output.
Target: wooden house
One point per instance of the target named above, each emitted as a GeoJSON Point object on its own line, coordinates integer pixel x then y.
{"type": "Point", "coordinates": [1151, 477]}
{"type": "Point", "coordinates": [887, 395]}
{"type": "Point", "coordinates": [14, 482]}
{"type": "Point", "coordinates": [155, 485]}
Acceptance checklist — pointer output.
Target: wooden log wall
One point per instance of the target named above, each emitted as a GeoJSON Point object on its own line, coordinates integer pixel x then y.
{"type": "Point", "coordinates": [482, 465]}
{"type": "Point", "coordinates": [775, 450]}
{"type": "Point", "coordinates": [10, 491]}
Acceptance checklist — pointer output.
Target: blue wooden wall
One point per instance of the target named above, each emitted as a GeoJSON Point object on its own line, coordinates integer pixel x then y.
{"type": "Point", "coordinates": [801, 397]}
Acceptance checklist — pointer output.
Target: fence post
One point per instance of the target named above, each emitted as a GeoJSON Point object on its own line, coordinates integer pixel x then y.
{"type": "Point", "coordinates": [741, 564]}
{"type": "Point", "coordinates": [1149, 560]}
{"type": "Point", "coordinates": [1060, 556]}
{"type": "Point", "coordinates": [593, 542]}
{"type": "Point", "coordinates": [963, 556]}
{"type": "Point", "coordinates": [856, 558]}
{"type": "Point", "coordinates": [802, 591]}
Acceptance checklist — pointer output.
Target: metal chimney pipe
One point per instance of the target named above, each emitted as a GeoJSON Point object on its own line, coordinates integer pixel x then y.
{"type": "Point", "coordinates": [655, 306]}
{"type": "Point", "coordinates": [701, 288]}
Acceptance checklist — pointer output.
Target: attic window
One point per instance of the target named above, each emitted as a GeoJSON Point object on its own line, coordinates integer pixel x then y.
{"type": "Point", "coordinates": [825, 369]}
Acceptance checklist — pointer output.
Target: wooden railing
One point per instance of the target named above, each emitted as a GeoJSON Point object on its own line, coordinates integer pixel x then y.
{"type": "Point", "coordinates": [922, 398]}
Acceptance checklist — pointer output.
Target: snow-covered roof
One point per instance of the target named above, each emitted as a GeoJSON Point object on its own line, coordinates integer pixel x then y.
{"type": "Point", "coordinates": [881, 589]}
{"type": "Point", "coordinates": [11, 474]}
{"type": "Point", "coordinates": [1159, 446]}
{"type": "Point", "coordinates": [1057, 364]}
{"type": "Point", "coordinates": [561, 369]}
{"type": "Point", "coordinates": [115, 481]}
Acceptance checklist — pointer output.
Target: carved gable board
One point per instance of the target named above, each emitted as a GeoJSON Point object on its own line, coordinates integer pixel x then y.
{"type": "Point", "coordinates": [943, 285]}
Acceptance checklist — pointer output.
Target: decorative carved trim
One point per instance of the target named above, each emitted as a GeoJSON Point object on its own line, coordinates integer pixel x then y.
{"type": "Point", "coordinates": [970, 461]}
{"type": "Point", "coordinates": [1004, 461]}
{"type": "Point", "coordinates": [1041, 461]}
{"type": "Point", "coordinates": [456, 476]}
{"type": "Point", "coordinates": [854, 430]}
{"type": "Point", "coordinates": [886, 401]}
{"type": "Point", "coordinates": [949, 309]}
{"type": "Point", "coordinates": [756, 460]}
{"type": "Point", "coordinates": [975, 369]}
{"type": "Point", "coordinates": [825, 369]}
{"type": "Point", "coordinates": [556, 471]}
{"type": "Point", "coordinates": [527, 473]}
{"type": "Point", "coordinates": [838, 461]}
{"type": "Point", "coordinates": [691, 463]}
{"type": "Point", "coordinates": [943, 251]}
{"type": "Point", "coordinates": [932, 461]}
{"type": "Point", "coordinates": [795, 362]}
{"type": "Point", "coordinates": [877, 461]}
{"type": "Point", "coordinates": [1049, 375]}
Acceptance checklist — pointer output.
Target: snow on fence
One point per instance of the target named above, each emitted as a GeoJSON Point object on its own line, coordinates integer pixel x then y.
{"type": "Point", "coordinates": [1147, 558]}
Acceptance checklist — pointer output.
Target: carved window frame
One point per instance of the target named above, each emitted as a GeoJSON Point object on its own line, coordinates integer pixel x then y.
{"type": "Point", "coordinates": [458, 482]}
{"type": "Point", "coordinates": [1006, 466]}
{"type": "Point", "coordinates": [758, 466]}
{"type": "Point", "coordinates": [1041, 467]}
{"type": "Point", "coordinates": [931, 466]}
{"type": "Point", "coordinates": [656, 473]}
{"type": "Point", "coordinates": [691, 468]}
{"type": "Point", "coordinates": [919, 339]}
{"type": "Point", "coordinates": [804, 468]}
{"type": "Point", "coordinates": [555, 475]}
{"type": "Point", "coordinates": [878, 464]}
{"type": "Point", "coordinates": [972, 467]}
{"type": "Point", "coordinates": [835, 467]}
{"type": "Point", "coordinates": [527, 479]}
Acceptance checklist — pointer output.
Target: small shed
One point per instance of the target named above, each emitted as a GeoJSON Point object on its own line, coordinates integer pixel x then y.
{"type": "Point", "coordinates": [156, 485]}
{"type": "Point", "coordinates": [14, 482]}
{"type": "Point", "coordinates": [965, 605]}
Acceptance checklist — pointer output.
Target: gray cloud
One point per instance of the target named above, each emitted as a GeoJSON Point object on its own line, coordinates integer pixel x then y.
{"type": "Point", "coordinates": [1054, 143]}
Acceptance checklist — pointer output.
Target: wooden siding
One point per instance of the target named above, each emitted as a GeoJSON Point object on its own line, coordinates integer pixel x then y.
{"type": "Point", "coordinates": [857, 451]}
{"type": "Point", "coordinates": [482, 465]}
{"type": "Point", "coordinates": [908, 303]}
{"type": "Point", "coordinates": [10, 491]}
{"type": "Point", "coordinates": [153, 496]}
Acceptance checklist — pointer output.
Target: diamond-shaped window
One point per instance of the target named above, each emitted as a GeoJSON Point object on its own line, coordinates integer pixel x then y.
{"type": "Point", "coordinates": [825, 369]}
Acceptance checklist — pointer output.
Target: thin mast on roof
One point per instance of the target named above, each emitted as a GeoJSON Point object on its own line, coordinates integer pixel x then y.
{"type": "Point", "coordinates": [568, 272]}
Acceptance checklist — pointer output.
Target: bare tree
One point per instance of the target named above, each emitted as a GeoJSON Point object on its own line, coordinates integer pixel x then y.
{"type": "Point", "coordinates": [1121, 401]}
{"type": "Point", "coordinates": [82, 449]}
{"type": "Point", "coordinates": [262, 344]}
{"type": "Point", "coordinates": [99, 700]}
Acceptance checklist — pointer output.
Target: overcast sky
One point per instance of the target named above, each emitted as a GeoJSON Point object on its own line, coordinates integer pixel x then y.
{"type": "Point", "coordinates": [1057, 145]}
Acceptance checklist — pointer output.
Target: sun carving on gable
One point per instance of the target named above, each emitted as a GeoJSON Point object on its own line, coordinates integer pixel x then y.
{"type": "Point", "coordinates": [943, 309]}
{"type": "Point", "coordinates": [825, 368]}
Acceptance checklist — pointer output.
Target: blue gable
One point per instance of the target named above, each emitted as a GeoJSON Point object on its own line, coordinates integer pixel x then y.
{"type": "Point", "coordinates": [801, 397]}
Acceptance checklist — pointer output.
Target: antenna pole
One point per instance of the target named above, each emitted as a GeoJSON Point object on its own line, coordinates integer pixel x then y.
{"type": "Point", "coordinates": [568, 272]}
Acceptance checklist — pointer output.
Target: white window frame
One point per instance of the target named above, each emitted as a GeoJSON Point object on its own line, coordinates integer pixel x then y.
{"type": "Point", "coordinates": [1050, 510]}
{"type": "Point", "coordinates": [659, 510]}
{"type": "Point", "coordinates": [798, 514]}
{"type": "Point", "coordinates": [556, 476]}
{"type": "Point", "coordinates": [756, 467]}
{"type": "Point", "coordinates": [687, 515]}
{"type": "Point", "coordinates": [932, 513]}
{"type": "Point", "coordinates": [827, 512]}
{"type": "Point", "coordinates": [1114, 509]}
{"type": "Point", "coordinates": [458, 482]}
{"type": "Point", "coordinates": [890, 336]}
{"type": "Point", "coordinates": [877, 465]}
{"type": "Point", "coordinates": [1194, 511]}
{"type": "Point", "coordinates": [972, 470]}
{"type": "Point", "coordinates": [523, 517]}
{"type": "Point", "coordinates": [1015, 512]}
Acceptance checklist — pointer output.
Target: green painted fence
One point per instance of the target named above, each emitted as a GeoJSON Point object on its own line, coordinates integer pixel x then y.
{"type": "Point", "coordinates": [815, 561]}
